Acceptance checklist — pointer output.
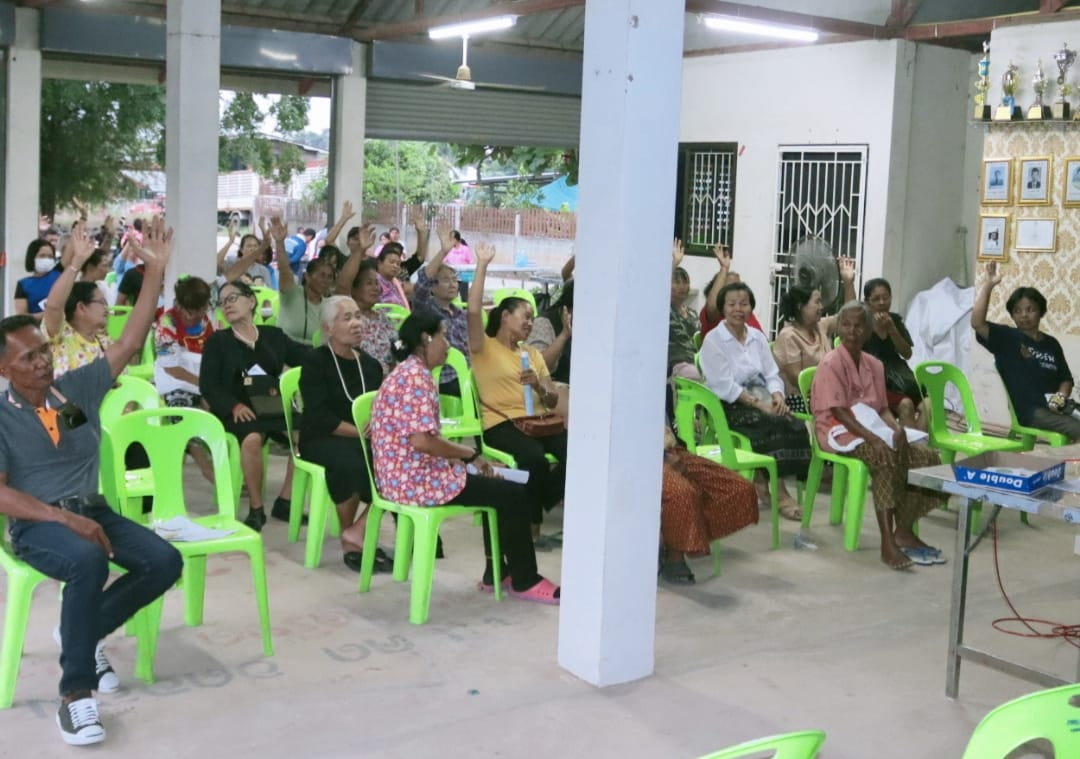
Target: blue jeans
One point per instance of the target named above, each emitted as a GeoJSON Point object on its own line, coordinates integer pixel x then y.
{"type": "Point", "coordinates": [89, 612]}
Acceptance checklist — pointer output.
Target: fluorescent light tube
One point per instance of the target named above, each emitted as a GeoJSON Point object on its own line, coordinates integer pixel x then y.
{"type": "Point", "coordinates": [740, 26]}
{"type": "Point", "coordinates": [469, 28]}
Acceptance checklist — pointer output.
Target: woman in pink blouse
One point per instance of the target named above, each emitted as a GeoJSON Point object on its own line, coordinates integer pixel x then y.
{"type": "Point", "coordinates": [460, 254]}
{"type": "Point", "coordinates": [415, 465]}
{"type": "Point", "coordinates": [848, 377]}
{"type": "Point", "coordinates": [377, 334]}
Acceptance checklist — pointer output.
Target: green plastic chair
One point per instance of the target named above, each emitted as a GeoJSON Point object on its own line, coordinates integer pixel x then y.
{"type": "Point", "coordinates": [144, 370]}
{"type": "Point", "coordinates": [395, 313]}
{"type": "Point", "coordinates": [417, 533]}
{"type": "Point", "coordinates": [1029, 435]}
{"type": "Point", "coordinates": [801, 745]}
{"type": "Point", "coordinates": [1052, 715]}
{"type": "Point", "coordinates": [165, 448]}
{"type": "Point", "coordinates": [110, 278]}
{"type": "Point", "coordinates": [933, 377]}
{"type": "Point", "coordinates": [697, 339]}
{"type": "Point", "coordinates": [265, 295]}
{"type": "Point", "coordinates": [316, 338]}
{"type": "Point", "coordinates": [309, 481]}
{"type": "Point", "coordinates": [850, 479]}
{"type": "Point", "coordinates": [115, 320]}
{"type": "Point", "coordinates": [464, 419]}
{"type": "Point", "coordinates": [22, 579]}
{"type": "Point", "coordinates": [514, 292]}
{"type": "Point", "coordinates": [691, 396]}
{"type": "Point", "coordinates": [138, 482]}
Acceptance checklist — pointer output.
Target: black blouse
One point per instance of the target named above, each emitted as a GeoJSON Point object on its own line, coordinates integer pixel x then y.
{"type": "Point", "coordinates": [326, 404]}
{"type": "Point", "coordinates": [226, 361]}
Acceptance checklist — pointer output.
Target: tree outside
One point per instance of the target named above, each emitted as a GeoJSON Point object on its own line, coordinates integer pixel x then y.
{"type": "Point", "coordinates": [90, 132]}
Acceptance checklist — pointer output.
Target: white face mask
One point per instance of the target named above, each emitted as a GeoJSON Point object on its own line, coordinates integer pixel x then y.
{"type": "Point", "coordinates": [266, 311]}
{"type": "Point", "coordinates": [44, 265]}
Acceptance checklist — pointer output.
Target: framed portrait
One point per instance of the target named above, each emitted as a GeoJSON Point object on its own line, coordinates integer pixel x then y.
{"type": "Point", "coordinates": [997, 182]}
{"type": "Point", "coordinates": [1070, 194]}
{"type": "Point", "coordinates": [993, 237]}
{"type": "Point", "coordinates": [1033, 182]}
{"type": "Point", "coordinates": [1036, 234]}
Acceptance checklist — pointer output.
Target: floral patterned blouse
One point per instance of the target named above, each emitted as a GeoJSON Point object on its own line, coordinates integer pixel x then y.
{"type": "Point", "coordinates": [71, 350]}
{"type": "Point", "coordinates": [377, 335]}
{"type": "Point", "coordinates": [407, 403]}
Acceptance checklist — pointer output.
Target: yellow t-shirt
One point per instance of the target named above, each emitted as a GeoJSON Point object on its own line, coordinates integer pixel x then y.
{"type": "Point", "coordinates": [496, 370]}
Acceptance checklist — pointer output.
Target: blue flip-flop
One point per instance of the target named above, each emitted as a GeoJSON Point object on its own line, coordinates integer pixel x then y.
{"type": "Point", "coordinates": [917, 556]}
{"type": "Point", "coordinates": [924, 556]}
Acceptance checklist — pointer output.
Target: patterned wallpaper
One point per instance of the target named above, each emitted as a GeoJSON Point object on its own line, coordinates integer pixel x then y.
{"type": "Point", "coordinates": [1056, 275]}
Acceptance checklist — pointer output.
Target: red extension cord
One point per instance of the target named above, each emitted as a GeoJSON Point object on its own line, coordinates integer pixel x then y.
{"type": "Point", "coordinates": [1069, 633]}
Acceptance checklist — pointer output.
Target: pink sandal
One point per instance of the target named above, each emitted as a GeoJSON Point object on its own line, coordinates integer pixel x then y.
{"type": "Point", "coordinates": [484, 587]}
{"type": "Point", "coordinates": [545, 592]}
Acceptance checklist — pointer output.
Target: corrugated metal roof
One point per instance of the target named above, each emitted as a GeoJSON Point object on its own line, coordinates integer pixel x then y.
{"type": "Point", "coordinates": [557, 24]}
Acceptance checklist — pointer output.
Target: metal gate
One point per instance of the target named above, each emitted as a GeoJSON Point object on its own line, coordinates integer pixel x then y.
{"type": "Point", "coordinates": [821, 192]}
{"type": "Point", "coordinates": [707, 195]}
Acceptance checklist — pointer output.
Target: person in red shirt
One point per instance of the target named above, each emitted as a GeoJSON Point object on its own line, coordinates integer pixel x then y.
{"type": "Point", "coordinates": [710, 315]}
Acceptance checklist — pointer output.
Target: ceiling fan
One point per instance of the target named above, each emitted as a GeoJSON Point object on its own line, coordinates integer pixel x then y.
{"type": "Point", "coordinates": [463, 79]}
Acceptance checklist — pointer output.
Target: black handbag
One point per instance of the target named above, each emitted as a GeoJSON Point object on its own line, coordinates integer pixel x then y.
{"type": "Point", "coordinates": [264, 396]}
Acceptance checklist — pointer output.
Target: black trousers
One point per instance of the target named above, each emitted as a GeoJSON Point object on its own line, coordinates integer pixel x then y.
{"type": "Point", "coordinates": [547, 484]}
{"type": "Point", "coordinates": [510, 501]}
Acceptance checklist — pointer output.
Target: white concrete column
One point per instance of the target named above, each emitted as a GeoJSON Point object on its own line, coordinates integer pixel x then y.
{"type": "Point", "coordinates": [192, 80]}
{"type": "Point", "coordinates": [629, 137]}
{"type": "Point", "coordinates": [22, 149]}
{"type": "Point", "coordinates": [348, 111]}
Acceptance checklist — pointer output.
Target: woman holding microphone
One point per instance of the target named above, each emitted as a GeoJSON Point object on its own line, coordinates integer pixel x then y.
{"type": "Point", "coordinates": [513, 382]}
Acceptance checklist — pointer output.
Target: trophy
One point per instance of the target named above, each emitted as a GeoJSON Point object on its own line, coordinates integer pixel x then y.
{"type": "Point", "coordinates": [982, 85]}
{"type": "Point", "coordinates": [1039, 83]}
{"type": "Point", "coordinates": [1064, 58]}
{"type": "Point", "coordinates": [1010, 83]}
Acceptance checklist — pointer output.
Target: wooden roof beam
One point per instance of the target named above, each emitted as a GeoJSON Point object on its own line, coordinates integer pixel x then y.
{"type": "Point", "coordinates": [822, 24]}
{"type": "Point", "coordinates": [981, 26]}
{"type": "Point", "coordinates": [902, 12]}
{"type": "Point", "coordinates": [421, 25]}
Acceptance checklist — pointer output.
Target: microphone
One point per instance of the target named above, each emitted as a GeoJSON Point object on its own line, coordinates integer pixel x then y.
{"type": "Point", "coordinates": [528, 389]}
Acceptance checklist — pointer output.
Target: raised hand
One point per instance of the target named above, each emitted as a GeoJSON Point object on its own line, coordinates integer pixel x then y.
{"type": "Point", "coordinates": [107, 227]}
{"type": "Point", "coordinates": [262, 226]}
{"type": "Point", "coordinates": [367, 236]}
{"type": "Point", "coordinates": [677, 253]}
{"type": "Point", "coordinates": [347, 211]}
{"type": "Point", "coordinates": [416, 218]}
{"type": "Point", "coordinates": [485, 253]}
{"type": "Point", "coordinates": [81, 244]}
{"type": "Point", "coordinates": [43, 222]}
{"type": "Point", "coordinates": [157, 243]}
{"type": "Point", "coordinates": [233, 222]}
{"type": "Point", "coordinates": [443, 230]}
{"type": "Point", "coordinates": [993, 277]}
{"type": "Point", "coordinates": [80, 207]}
{"type": "Point", "coordinates": [723, 256]}
{"type": "Point", "coordinates": [278, 230]}
{"type": "Point", "coordinates": [847, 269]}
{"type": "Point", "coordinates": [567, 321]}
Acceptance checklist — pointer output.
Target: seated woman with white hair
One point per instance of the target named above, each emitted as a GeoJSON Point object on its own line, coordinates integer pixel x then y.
{"type": "Point", "coordinates": [847, 378]}
{"type": "Point", "coordinates": [333, 376]}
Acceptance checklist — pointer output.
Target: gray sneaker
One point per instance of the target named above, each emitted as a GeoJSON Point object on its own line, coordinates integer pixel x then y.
{"type": "Point", "coordinates": [79, 722]}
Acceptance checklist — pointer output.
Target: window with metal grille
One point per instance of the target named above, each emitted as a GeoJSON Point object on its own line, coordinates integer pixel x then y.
{"type": "Point", "coordinates": [821, 192]}
{"type": "Point", "coordinates": [705, 196]}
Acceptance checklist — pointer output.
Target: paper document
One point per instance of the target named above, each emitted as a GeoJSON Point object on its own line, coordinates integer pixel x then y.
{"type": "Point", "coordinates": [519, 476]}
{"type": "Point", "coordinates": [869, 419]}
{"type": "Point", "coordinates": [184, 530]}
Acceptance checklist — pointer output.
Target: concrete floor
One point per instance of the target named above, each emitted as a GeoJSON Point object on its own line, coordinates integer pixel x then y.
{"type": "Point", "coordinates": [782, 640]}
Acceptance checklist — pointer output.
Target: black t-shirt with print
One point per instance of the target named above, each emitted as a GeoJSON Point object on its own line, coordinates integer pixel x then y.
{"type": "Point", "coordinates": [1029, 368]}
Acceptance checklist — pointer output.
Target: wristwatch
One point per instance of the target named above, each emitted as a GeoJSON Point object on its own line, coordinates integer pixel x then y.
{"type": "Point", "coordinates": [474, 457]}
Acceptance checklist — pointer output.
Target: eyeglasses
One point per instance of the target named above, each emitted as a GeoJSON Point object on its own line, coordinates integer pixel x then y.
{"type": "Point", "coordinates": [230, 299]}
{"type": "Point", "coordinates": [99, 302]}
